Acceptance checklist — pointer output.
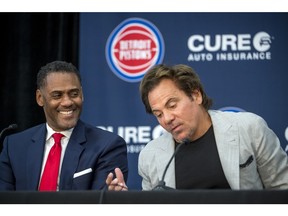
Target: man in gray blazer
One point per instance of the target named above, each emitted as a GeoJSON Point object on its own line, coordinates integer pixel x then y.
{"type": "Point", "coordinates": [217, 150]}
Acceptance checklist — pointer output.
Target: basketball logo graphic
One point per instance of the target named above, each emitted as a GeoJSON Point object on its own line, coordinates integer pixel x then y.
{"type": "Point", "coordinates": [133, 47]}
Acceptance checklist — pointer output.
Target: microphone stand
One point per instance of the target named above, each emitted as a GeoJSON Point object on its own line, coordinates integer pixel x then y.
{"type": "Point", "coordinates": [162, 185]}
{"type": "Point", "coordinates": [10, 127]}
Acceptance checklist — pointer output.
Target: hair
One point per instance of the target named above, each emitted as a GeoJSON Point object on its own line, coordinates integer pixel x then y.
{"type": "Point", "coordinates": [185, 78]}
{"type": "Point", "coordinates": [55, 67]}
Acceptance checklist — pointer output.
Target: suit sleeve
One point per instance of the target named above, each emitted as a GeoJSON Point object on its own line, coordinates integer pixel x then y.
{"type": "Point", "coordinates": [143, 172]}
{"type": "Point", "coordinates": [114, 155]}
{"type": "Point", "coordinates": [7, 180]}
{"type": "Point", "coordinates": [272, 160]}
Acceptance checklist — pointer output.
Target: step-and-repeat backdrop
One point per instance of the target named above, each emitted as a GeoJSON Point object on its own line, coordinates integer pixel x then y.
{"type": "Point", "coordinates": [241, 59]}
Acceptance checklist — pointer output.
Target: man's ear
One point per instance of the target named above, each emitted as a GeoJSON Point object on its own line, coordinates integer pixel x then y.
{"type": "Point", "coordinates": [82, 94]}
{"type": "Point", "coordinates": [39, 98]}
{"type": "Point", "coordinates": [197, 96]}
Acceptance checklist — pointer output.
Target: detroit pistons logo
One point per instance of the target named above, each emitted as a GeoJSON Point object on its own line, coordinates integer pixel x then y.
{"type": "Point", "coordinates": [133, 47]}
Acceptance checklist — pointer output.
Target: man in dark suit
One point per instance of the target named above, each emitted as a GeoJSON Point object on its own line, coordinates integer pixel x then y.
{"type": "Point", "coordinates": [87, 154]}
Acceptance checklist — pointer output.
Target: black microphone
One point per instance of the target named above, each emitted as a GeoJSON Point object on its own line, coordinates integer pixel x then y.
{"type": "Point", "coordinates": [10, 127]}
{"type": "Point", "coordinates": [162, 185]}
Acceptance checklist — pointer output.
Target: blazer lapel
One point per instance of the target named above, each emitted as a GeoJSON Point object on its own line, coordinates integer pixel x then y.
{"type": "Point", "coordinates": [71, 158]}
{"type": "Point", "coordinates": [167, 146]}
{"type": "Point", "coordinates": [226, 135]}
{"type": "Point", "coordinates": [35, 157]}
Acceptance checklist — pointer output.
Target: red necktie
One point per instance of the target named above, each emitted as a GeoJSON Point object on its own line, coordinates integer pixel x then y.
{"type": "Point", "coordinates": [51, 170]}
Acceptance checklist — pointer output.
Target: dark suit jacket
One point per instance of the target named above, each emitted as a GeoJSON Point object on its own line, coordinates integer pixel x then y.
{"type": "Point", "coordinates": [88, 148]}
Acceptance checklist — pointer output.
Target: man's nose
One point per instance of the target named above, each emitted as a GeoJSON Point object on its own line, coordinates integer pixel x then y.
{"type": "Point", "coordinates": [168, 117]}
{"type": "Point", "coordinates": [66, 101]}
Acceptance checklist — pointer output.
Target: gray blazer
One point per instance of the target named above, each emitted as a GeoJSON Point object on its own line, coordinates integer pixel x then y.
{"type": "Point", "coordinates": [239, 136]}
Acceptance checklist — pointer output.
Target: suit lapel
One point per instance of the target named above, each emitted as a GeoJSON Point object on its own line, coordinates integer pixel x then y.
{"type": "Point", "coordinates": [35, 152]}
{"type": "Point", "coordinates": [226, 135]}
{"type": "Point", "coordinates": [167, 149]}
{"type": "Point", "coordinates": [72, 155]}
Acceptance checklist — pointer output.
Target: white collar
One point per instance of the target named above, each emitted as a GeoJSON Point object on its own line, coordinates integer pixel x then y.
{"type": "Point", "coordinates": [50, 132]}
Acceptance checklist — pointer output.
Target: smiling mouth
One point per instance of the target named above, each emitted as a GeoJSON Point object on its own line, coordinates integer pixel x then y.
{"type": "Point", "coordinates": [66, 112]}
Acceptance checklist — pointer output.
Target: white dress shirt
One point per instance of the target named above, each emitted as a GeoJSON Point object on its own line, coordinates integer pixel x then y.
{"type": "Point", "coordinates": [50, 142]}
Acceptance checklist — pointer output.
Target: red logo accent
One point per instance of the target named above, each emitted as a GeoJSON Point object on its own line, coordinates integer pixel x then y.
{"type": "Point", "coordinates": [135, 49]}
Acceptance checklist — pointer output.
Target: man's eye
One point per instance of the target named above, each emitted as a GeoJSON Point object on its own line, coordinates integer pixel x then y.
{"type": "Point", "coordinates": [158, 115]}
{"type": "Point", "coordinates": [74, 94]}
{"type": "Point", "coordinates": [56, 96]}
{"type": "Point", "coordinates": [172, 105]}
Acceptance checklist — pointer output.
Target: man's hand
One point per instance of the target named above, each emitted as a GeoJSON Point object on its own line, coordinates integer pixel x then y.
{"type": "Point", "coordinates": [118, 183]}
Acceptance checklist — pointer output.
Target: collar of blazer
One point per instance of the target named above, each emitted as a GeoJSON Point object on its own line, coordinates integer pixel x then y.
{"type": "Point", "coordinates": [227, 141]}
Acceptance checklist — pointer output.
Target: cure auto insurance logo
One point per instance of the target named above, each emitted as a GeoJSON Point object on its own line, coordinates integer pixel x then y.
{"type": "Point", "coordinates": [133, 47]}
